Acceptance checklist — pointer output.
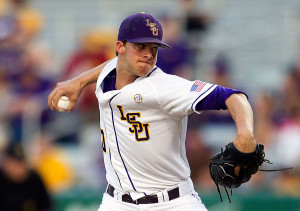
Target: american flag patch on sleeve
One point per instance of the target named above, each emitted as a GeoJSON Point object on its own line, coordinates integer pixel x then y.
{"type": "Point", "coordinates": [197, 86]}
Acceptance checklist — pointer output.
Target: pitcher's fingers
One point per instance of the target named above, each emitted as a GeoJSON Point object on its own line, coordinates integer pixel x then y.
{"type": "Point", "coordinates": [237, 170]}
{"type": "Point", "coordinates": [50, 98]}
{"type": "Point", "coordinates": [72, 104]}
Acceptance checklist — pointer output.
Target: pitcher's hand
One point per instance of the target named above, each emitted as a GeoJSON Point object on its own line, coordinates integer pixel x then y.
{"type": "Point", "coordinates": [70, 88]}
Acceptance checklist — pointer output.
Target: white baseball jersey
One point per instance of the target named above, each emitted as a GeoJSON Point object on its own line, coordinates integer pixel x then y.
{"type": "Point", "coordinates": [143, 127]}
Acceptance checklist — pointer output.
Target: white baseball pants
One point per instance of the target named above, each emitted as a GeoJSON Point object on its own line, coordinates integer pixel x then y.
{"type": "Point", "coordinates": [188, 202]}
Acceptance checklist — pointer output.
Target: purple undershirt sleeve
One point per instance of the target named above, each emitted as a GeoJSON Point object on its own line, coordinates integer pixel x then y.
{"type": "Point", "coordinates": [216, 99]}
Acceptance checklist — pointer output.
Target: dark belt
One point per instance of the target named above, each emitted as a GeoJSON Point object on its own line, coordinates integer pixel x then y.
{"type": "Point", "coordinates": [173, 194]}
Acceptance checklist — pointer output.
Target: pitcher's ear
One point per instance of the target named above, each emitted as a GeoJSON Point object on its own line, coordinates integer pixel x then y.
{"type": "Point", "coordinates": [120, 47]}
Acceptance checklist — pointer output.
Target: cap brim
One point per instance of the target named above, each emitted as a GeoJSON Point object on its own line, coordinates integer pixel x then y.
{"type": "Point", "coordinates": [149, 40]}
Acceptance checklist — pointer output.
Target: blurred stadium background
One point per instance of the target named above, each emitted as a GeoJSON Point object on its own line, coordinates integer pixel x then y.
{"type": "Point", "coordinates": [252, 45]}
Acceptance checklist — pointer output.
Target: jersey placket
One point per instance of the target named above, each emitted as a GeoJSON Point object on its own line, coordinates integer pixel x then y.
{"type": "Point", "coordinates": [117, 160]}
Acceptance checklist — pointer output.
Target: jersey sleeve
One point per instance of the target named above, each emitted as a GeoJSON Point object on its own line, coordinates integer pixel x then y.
{"type": "Point", "coordinates": [216, 99]}
{"type": "Point", "coordinates": [178, 97]}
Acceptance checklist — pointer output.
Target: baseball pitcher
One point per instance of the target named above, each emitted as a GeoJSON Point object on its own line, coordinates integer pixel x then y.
{"type": "Point", "coordinates": [143, 122]}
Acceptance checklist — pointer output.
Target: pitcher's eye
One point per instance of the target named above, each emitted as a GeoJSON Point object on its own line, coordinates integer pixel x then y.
{"type": "Point", "coordinates": [141, 45]}
{"type": "Point", "coordinates": [155, 48]}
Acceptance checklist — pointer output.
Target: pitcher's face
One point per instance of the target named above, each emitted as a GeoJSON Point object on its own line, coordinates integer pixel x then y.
{"type": "Point", "coordinates": [140, 58]}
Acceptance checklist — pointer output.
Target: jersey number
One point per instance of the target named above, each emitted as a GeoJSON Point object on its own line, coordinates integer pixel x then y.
{"type": "Point", "coordinates": [139, 129]}
{"type": "Point", "coordinates": [103, 142]}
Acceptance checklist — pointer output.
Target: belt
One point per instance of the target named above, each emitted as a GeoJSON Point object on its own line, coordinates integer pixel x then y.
{"type": "Point", "coordinates": [150, 199]}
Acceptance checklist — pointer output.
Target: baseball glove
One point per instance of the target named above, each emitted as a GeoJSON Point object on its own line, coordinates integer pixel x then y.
{"type": "Point", "coordinates": [222, 166]}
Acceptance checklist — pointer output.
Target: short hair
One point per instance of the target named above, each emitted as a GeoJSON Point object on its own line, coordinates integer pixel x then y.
{"type": "Point", "coordinates": [124, 43]}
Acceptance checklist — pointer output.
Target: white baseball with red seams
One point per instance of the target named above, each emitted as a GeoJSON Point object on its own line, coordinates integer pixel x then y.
{"type": "Point", "coordinates": [63, 104]}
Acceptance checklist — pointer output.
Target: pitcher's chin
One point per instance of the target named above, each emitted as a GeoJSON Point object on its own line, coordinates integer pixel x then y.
{"type": "Point", "coordinates": [144, 70]}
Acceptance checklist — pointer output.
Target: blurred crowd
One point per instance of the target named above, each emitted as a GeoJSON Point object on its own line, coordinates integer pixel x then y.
{"type": "Point", "coordinates": [65, 149]}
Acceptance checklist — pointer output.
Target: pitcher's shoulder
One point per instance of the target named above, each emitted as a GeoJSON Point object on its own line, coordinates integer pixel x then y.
{"type": "Point", "coordinates": [159, 75]}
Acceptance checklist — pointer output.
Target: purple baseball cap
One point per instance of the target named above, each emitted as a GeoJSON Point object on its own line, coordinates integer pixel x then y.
{"type": "Point", "coordinates": [142, 28]}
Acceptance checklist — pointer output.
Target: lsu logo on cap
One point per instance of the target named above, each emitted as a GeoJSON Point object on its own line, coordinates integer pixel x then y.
{"type": "Point", "coordinates": [152, 27]}
{"type": "Point", "coordinates": [138, 98]}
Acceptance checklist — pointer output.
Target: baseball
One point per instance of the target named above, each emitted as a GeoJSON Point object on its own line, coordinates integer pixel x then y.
{"type": "Point", "coordinates": [63, 104]}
